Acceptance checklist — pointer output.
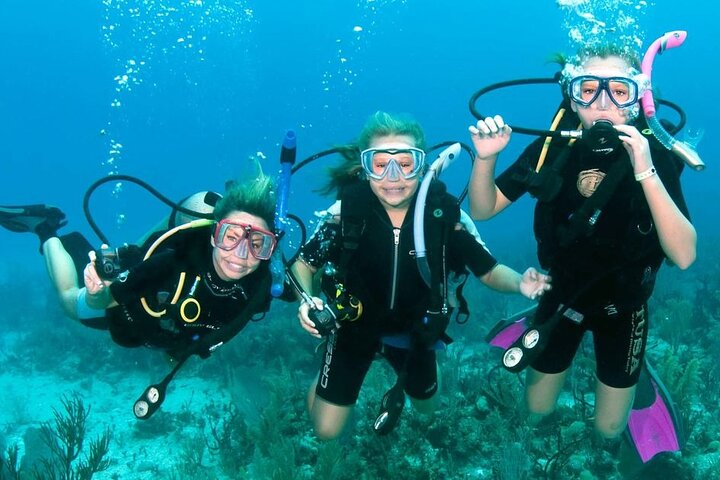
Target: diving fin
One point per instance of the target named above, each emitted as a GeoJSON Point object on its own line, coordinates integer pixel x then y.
{"type": "Point", "coordinates": [508, 330]}
{"type": "Point", "coordinates": [654, 424]}
{"type": "Point", "coordinates": [390, 408]}
{"type": "Point", "coordinates": [39, 219]}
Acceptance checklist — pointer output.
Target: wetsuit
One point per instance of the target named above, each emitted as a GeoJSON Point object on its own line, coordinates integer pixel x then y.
{"type": "Point", "coordinates": [156, 279]}
{"type": "Point", "coordinates": [605, 272]}
{"type": "Point", "coordinates": [382, 272]}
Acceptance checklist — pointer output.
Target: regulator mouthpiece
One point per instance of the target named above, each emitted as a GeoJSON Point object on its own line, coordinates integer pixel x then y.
{"type": "Point", "coordinates": [601, 138]}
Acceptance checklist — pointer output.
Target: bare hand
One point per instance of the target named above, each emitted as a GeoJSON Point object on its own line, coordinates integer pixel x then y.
{"type": "Point", "coordinates": [534, 283]}
{"type": "Point", "coordinates": [490, 136]}
{"type": "Point", "coordinates": [637, 146]}
{"type": "Point", "coordinates": [93, 283]}
{"type": "Point", "coordinates": [305, 321]}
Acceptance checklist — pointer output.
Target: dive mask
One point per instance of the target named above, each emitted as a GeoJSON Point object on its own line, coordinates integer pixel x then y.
{"type": "Point", "coordinates": [621, 91]}
{"type": "Point", "coordinates": [231, 235]}
{"type": "Point", "coordinates": [394, 163]}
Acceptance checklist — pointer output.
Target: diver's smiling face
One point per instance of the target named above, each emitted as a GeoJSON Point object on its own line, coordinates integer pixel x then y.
{"type": "Point", "coordinates": [394, 192]}
{"type": "Point", "coordinates": [237, 263]}
{"type": "Point", "coordinates": [602, 108]}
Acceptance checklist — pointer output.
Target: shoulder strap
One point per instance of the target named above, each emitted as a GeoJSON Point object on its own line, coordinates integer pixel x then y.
{"type": "Point", "coordinates": [545, 181]}
{"type": "Point", "coordinates": [353, 211]}
{"type": "Point", "coordinates": [442, 212]}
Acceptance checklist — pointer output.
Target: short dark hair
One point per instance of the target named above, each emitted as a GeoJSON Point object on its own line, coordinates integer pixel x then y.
{"type": "Point", "coordinates": [256, 197]}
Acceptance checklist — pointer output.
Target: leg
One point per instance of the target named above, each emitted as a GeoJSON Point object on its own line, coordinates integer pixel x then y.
{"type": "Point", "coordinates": [545, 378]}
{"type": "Point", "coordinates": [328, 419]}
{"type": "Point", "coordinates": [334, 393]}
{"type": "Point", "coordinates": [619, 352]}
{"type": "Point", "coordinates": [61, 269]}
{"type": "Point", "coordinates": [612, 408]}
{"type": "Point", "coordinates": [422, 376]}
{"type": "Point", "coordinates": [542, 391]}
{"type": "Point", "coordinates": [428, 406]}
{"type": "Point", "coordinates": [44, 221]}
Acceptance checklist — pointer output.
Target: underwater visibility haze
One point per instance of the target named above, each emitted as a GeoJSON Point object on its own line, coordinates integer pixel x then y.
{"type": "Point", "coordinates": [185, 95]}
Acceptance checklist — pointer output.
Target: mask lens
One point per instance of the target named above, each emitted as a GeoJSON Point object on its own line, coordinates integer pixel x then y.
{"type": "Point", "coordinates": [623, 91]}
{"type": "Point", "coordinates": [585, 90]}
{"type": "Point", "coordinates": [376, 162]}
{"type": "Point", "coordinates": [261, 245]}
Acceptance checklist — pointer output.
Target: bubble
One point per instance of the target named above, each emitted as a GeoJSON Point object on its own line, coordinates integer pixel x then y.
{"type": "Point", "coordinates": [342, 71]}
{"type": "Point", "coordinates": [143, 34]}
{"type": "Point", "coordinates": [596, 22]}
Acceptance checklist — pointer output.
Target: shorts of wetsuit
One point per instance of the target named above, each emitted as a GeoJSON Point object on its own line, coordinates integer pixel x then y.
{"type": "Point", "coordinates": [619, 338]}
{"type": "Point", "coordinates": [344, 366]}
{"type": "Point", "coordinates": [88, 316]}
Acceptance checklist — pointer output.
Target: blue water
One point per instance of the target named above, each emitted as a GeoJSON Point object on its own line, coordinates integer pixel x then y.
{"type": "Point", "coordinates": [210, 84]}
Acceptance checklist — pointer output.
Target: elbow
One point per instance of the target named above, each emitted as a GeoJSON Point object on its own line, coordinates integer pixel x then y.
{"type": "Point", "coordinates": [686, 257]}
{"type": "Point", "coordinates": [684, 261]}
{"type": "Point", "coordinates": [480, 213]}
{"type": "Point", "coordinates": [682, 251]}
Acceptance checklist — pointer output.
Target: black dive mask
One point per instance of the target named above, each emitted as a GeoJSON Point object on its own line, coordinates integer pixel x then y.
{"type": "Point", "coordinates": [601, 138]}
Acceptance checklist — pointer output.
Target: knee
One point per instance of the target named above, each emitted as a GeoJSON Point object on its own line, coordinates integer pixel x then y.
{"type": "Point", "coordinates": [325, 430]}
{"type": "Point", "coordinates": [539, 407]}
{"type": "Point", "coordinates": [609, 429]}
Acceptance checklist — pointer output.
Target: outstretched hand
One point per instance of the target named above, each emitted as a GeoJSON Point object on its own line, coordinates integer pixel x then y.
{"type": "Point", "coordinates": [533, 283]}
{"type": "Point", "coordinates": [490, 136]}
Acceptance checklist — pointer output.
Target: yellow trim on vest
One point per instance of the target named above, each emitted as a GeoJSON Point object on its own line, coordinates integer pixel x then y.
{"type": "Point", "coordinates": [203, 222]}
{"type": "Point", "coordinates": [548, 140]}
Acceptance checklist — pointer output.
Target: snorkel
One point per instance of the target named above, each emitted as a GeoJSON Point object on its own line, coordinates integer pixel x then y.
{"type": "Point", "coordinates": [681, 149]}
{"type": "Point", "coordinates": [445, 158]}
{"type": "Point", "coordinates": [288, 153]}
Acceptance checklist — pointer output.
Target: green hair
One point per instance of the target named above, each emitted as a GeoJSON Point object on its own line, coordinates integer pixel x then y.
{"type": "Point", "coordinates": [380, 124]}
{"type": "Point", "coordinates": [256, 197]}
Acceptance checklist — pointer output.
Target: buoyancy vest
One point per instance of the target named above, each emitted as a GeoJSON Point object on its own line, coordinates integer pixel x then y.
{"type": "Point", "coordinates": [134, 325]}
{"type": "Point", "coordinates": [358, 203]}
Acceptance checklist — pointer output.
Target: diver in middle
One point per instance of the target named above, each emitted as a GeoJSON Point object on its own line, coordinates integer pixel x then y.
{"type": "Point", "coordinates": [366, 250]}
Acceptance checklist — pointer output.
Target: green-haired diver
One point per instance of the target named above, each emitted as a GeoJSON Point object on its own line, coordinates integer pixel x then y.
{"type": "Point", "coordinates": [188, 292]}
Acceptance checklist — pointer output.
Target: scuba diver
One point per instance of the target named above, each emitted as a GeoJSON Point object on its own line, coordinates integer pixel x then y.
{"type": "Point", "coordinates": [185, 291]}
{"type": "Point", "coordinates": [609, 211]}
{"type": "Point", "coordinates": [369, 255]}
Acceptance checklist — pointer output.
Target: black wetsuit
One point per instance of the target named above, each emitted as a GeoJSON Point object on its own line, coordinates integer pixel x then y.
{"type": "Point", "coordinates": [156, 280]}
{"type": "Point", "coordinates": [606, 273]}
{"type": "Point", "coordinates": [383, 273]}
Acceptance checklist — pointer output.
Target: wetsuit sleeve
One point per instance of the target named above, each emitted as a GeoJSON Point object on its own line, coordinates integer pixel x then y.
{"type": "Point", "coordinates": [144, 278]}
{"type": "Point", "coordinates": [466, 251]}
{"type": "Point", "coordinates": [513, 181]}
{"type": "Point", "coordinates": [323, 246]}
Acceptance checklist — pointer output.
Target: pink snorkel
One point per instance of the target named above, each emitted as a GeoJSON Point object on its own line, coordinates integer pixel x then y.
{"type": "Point", "coordinates": [683, 150]}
